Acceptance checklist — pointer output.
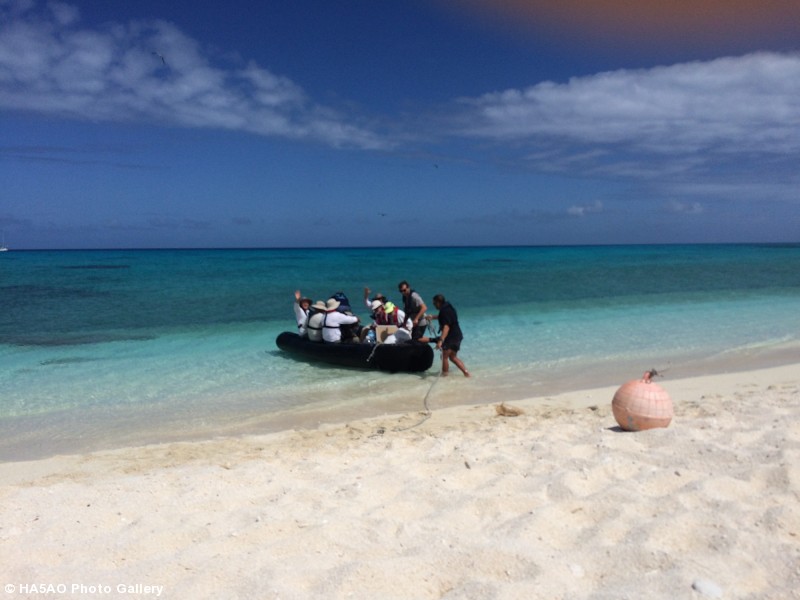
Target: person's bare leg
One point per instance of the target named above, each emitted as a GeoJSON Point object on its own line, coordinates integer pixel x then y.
{"type": "Point", "coordinates": [445, 362]}
{"type": "Point", "coordinates": [459, 363]}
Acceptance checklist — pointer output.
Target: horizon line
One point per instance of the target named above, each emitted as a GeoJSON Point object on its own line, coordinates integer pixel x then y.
{"type": "Point", "coordinates": [399, 247]}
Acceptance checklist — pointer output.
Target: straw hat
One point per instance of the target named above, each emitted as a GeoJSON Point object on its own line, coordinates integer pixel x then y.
{"type": "Point", "coordinates": [376, 304]}
{"type": "Point", "coordinates": [332, 304]}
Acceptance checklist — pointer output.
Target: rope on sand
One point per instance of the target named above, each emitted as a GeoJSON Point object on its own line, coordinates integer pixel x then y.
{"type": "Point", "coordinates": [427, 411]}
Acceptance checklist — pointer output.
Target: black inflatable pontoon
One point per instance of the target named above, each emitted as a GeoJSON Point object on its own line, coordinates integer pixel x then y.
{"type": "Point", "coordinates": [408, 357]}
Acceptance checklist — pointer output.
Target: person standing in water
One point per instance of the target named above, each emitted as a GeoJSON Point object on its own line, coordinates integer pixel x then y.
{"type": "Point", "coordinates": [450, 336]}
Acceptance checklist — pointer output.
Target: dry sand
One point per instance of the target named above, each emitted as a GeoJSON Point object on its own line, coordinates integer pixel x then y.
{"type": "Point", "coordinates": [555, 503]}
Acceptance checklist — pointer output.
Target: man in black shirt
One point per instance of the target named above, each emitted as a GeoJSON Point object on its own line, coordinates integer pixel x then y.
{"type": "Point", "coordinates": [450, 335]}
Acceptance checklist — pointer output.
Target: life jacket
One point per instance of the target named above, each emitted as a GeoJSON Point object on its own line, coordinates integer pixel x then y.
{"type": "Point", "coordinates": [385, 318]}
{"type": "Point", "coordinates": [302, 325]}
{"type": "Point", "coordinates": [411, 308]}
{"type": "Point", "coordinates": [325, 322]}
{"type": "Point", "coordinates": [346, 329]}
{"type": "Point", "coordinates": [316, 321]}
{"type": "Point", "coordinates": [409, 305]}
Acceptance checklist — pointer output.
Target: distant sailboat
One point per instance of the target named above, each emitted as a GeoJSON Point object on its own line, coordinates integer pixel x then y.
{"type": "Point", "coordinates": [3, 243]}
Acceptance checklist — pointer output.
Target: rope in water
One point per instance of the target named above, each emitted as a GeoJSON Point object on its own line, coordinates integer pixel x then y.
{"type": "Point", "coordinates": [371, 354]}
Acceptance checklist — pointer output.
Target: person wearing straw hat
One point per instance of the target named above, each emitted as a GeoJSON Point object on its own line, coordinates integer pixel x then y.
{"type": "Point", "coordinates": [333, 321]}
{"type": "Point", "coordinates": [316, 320]}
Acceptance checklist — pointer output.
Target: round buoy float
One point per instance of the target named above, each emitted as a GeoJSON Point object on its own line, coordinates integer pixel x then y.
{"type": "Point", "coordinates": [641, 404]}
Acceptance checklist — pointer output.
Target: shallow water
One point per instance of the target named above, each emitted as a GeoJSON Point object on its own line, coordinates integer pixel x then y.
{"type": "Point", "coordinates": [109, 348]}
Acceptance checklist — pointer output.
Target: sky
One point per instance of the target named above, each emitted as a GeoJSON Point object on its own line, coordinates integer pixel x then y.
{"type": "Point", "coordinates": [398, 123]}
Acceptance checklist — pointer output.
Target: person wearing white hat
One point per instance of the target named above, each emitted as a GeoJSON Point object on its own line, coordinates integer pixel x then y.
{"type": "Point", "coordinates": [370, 301]}
{"type": "Point", "coordinates": [388, 314]}
{"type": "Point", "coordinates": [333, 321]}
{"type": "Point", "coordinates": [316, 319]}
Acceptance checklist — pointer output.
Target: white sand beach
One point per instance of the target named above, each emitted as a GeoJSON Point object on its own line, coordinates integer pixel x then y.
{"type": "Point", "coordinates": [556, 503]}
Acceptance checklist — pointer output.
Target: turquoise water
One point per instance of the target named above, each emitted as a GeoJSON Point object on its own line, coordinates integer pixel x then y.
{"type": "Point", "coordinates": [112, 348]}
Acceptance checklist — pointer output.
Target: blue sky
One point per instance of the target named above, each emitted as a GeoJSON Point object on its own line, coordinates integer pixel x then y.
{"type": "Point", "coordinates": [437, 122]}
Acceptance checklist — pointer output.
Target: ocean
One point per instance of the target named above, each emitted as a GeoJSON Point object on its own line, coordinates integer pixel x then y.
{"type": "Point", "coordinates": [103, 349]}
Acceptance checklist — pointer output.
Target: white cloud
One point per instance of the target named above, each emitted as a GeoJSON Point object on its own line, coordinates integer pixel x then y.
{"type": "Point", "coordinates": [688, 208]}
{"type": "Point", "coordinates": [64, 14]}
{"type": "Point", "coordinates": [582, 211]}
{"type": "Point", "coordinates": [50, 64]}
{"type": "Point", "coordinates": [686, 115]}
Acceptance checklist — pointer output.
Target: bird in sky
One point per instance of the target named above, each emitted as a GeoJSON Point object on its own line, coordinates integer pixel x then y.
{"type": "Point", "coordinates": [163, 60]}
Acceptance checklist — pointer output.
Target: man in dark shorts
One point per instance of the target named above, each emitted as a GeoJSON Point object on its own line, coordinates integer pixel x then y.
{"type": "Point", "coordinates": [450, 335]}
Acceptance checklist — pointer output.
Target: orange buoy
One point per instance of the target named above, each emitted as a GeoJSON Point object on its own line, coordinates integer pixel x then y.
{"type": "Point", "coordinates": [641, 404]}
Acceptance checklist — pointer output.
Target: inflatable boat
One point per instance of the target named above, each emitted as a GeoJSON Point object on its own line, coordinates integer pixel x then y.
{"type": "Point", "coordinates": [408, 357]}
